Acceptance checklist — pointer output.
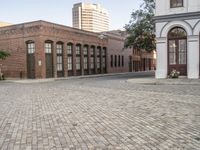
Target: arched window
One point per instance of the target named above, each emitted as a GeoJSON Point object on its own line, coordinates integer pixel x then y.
{"type": "Point", "coordinates": [59, 57]}
{"type": "Point", "coordinates": [78, 59]}
{"type": "Point", "coordinates": [70, 59]}
{"type": "Point", "coordinates": [85, 60]}
{"type": "Point", "coordinates": [99, 59]}
{"type": "Point", "coordinates": [30, 59]}
{"type": "Point", "coordinates": [30, 47]}
{"type": "Point", "coordinates": [104, 51]}
{"type": "Point", "coordinates": [49, 58]}
{"type": "Point", "coordinates": [92, 59]}
{"type": "Point", "coordinates": [177, 32]}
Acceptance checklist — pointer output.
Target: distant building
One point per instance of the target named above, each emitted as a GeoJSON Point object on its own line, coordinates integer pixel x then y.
{"type": "Point", "coordinates": [90, 17]}
{"type": "Point", "coordinates": [139, 60]}
{"type": "Point", "coordinates": [3, 24]}
{"type": "Point", "coordinates": [177, 33]}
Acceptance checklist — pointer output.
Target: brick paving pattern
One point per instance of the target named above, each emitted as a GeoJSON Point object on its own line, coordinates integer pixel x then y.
{"type": "Point", "coordinates": [99, 113]}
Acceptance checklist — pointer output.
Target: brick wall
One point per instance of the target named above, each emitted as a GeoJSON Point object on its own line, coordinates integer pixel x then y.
{"type": "Point", "coordinates": [14, 39]}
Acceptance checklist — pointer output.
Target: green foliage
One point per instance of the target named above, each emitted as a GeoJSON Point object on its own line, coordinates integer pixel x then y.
{"type": "Point", "coordinates": [4, 54]}
{"type": "Point", "coordinates": [141, 27]}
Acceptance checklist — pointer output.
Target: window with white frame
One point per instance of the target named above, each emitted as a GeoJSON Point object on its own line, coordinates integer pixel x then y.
{"type": "Point", "coordinates": [85, 63]}
{"type": "Point", "coordinates": [69, 49]}
{"type": "Point", "coordinates": [78, 62]}
{"type": "Point", "coordinates": [92, 57]}
{"type": "Point", "coordinates": [69, 63]}
{"type": "Point", "coordinates": [48, 48]}
{"type": "Point", "coordinates": [31, 48]}
{"type": "Point", "coordinates": [59, 51]}
{"type": "Point", "coordinates": [70, 57]}
{"type": "Point", "coordinates": [78, 49]}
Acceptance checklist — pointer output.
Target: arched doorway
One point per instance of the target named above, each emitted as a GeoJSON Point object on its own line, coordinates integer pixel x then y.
{"type": "Point", "coordinates": [59, 59]}
{"type": "Point", "coordinates": [177, 50]}
{"type": "Point", "coordinates": [30, 59]}
{"type": "Point", "coordinates": [49, 59]}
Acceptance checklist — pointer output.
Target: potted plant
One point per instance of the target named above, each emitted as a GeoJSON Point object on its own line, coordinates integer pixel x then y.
{"type": "Point", "coordinates": [174, 74]}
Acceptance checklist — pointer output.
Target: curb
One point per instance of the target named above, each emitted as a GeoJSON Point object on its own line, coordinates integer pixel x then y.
{"type": "Point", "coordinates": [26, 81]}
{"type": "Point", "coordinates": [150, 81]}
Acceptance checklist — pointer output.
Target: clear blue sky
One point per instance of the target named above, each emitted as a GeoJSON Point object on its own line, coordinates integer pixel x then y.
{"type": "Point", "coordinates": [60, 11]}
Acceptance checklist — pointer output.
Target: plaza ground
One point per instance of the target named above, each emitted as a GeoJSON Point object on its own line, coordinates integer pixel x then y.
{"type": "Point", "coordinates": [110, 112]}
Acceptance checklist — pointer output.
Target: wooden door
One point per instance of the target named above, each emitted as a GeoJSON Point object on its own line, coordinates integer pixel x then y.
{"type": "Point", "coordinates": [177, 50]}
{"type": "Point", "coordinates": [49, 65]}
{"type": "Point", "coordinates": [177, 56]}
{"type": "Point", "coordinates": [31, 66]}
{"type": "Point", "coordinates": [30, 59]}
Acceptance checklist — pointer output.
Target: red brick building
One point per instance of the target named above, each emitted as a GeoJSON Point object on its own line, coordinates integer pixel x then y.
{"type": "Point", "coordinates": [141, 60]}
{"type": "Point", "coordinates": [46, 50]}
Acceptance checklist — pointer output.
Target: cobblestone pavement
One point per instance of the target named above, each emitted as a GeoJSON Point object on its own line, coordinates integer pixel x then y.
{"type": "Point", "coordinates": [99, 113]}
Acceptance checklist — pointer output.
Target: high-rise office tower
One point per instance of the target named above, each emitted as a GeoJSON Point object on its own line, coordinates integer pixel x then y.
{"type": "Point", "coordinates": [3, 24]}
{"type": "Point", "coordinates": [90, 17]}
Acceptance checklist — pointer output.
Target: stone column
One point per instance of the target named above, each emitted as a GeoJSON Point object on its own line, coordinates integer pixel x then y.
{"type": "Point", "coordinates": [161, 47]}
{"type": "Point", "coordinates": [193, 57]}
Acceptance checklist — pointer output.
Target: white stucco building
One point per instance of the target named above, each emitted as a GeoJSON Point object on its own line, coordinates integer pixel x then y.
{"type": "Point", "coordinates": [177, 32]}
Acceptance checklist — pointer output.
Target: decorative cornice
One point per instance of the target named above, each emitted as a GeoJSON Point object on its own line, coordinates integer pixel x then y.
{"type": "Point", "coordinates": [181, 16]}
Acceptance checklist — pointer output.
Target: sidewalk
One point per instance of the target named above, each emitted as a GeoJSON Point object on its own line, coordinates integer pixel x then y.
{"type": "Point", "coordinates": [153, 81]}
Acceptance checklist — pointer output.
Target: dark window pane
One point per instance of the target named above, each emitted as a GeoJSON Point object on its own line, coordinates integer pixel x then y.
{"type": "Point", "coordinates": [111, 62]}
{"type": "Point", "coordinates": [176, 3]}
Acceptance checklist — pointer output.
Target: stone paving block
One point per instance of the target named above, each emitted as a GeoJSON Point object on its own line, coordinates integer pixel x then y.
{"type": "Point", "coordinates": [99, 113]}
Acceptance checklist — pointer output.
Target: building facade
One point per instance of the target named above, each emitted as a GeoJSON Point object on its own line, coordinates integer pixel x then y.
{"type": "Point", "coordinates": [177, 32]}
{"type": "Point", "coordinates": [90, 17]}
{"type": "Point", "coordinates": [118, 56]}
{"type": "Point", "coordinates": [141, 60]}
{"type": "Point", "coordinates": [46, 50]}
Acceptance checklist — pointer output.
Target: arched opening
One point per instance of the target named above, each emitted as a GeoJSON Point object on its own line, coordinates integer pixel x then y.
{"type": "Point", "coordinates": [104, 60]}
{"type": "Point", "coordinates": [59, 59]}
{"type": "Point", "coordinates": [70, 59]}
{"type": "Point", "coordinates": [78, 59]}
{"type": "Point", "coordinates": [92, 59]}
{"type": "Point", "coordinates": [49, 58]}
{"type": "Point", "coordinates": [99, 60]}
{"type": "Point", "coordinates": [86, 59]}
{"type": "Point", "coordinates": [177, 50]}
{"type": "Point", "coordinates": [30, 59]}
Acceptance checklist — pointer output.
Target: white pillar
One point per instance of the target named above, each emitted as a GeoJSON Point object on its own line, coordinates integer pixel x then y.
{"type": "Point", "coordinates": [161, 66]}
{"type": "Point", "coordinates": [193, 57]}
